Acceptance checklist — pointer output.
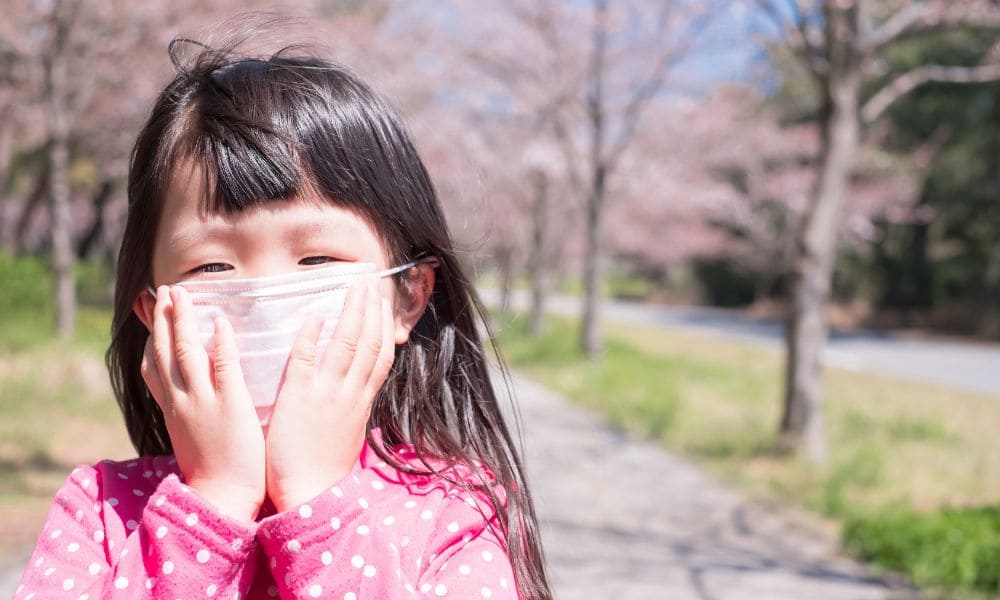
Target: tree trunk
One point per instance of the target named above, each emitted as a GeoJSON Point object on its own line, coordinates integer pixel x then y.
{"type": "Point", "coordinates": [506, 260]}
{"type": "Point", "coordinates": [590, 332]}
{"type": "Point", "coordinates": [538, 262]}
{"type": "Point", "coordinates": [19, 237]}
{"type": "Point", "coordinates": [57, 119]}
{"type": "Point", "coordinates": [802, 419]}
{"type": "Point", "coordinates": [101, 198]}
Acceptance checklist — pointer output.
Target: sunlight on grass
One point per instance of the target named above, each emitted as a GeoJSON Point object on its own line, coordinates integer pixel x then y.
{"type": "Point", "coordinates": [896, 447]}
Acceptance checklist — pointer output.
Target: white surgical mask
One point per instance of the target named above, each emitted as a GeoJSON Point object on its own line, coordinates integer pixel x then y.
{"type": "Point", "coordinates": [267, 314]}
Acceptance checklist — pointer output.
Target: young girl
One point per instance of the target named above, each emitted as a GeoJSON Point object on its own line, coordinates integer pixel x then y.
{"type": "Point", "coordinates": [295, 353]}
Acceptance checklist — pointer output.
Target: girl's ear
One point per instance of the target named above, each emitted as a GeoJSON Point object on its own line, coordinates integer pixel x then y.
{"type": "Point", "coordinates": [411, 301]}
{"type": "Point", "coordinates": [143, 308]}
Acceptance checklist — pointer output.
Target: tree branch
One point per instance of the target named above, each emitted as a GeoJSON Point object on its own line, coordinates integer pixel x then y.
{"type": "Point", "coordinates": [914, 78]}
{"type": "Point", "coordinates": [923, 18]}
{"type": "Point", "coordinates": [801, 40]}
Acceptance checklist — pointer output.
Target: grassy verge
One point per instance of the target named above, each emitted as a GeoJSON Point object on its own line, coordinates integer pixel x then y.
{"type": "Point", "coordinates": [55, 399]}
{"type": "Point", "coordinates": [906, 459]}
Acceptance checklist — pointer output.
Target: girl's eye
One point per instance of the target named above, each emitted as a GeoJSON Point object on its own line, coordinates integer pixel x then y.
{"type": "Point", "coordinates": [317, 260]}
{"type": "Point", "coordinates": [213, 268]}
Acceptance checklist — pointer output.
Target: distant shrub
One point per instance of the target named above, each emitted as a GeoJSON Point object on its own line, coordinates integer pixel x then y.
{"type": "Point", "coordinates": [949, 548]}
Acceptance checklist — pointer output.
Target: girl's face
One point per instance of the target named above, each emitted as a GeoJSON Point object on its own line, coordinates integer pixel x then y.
{"type": "Point", "coordinates": [278, 237]}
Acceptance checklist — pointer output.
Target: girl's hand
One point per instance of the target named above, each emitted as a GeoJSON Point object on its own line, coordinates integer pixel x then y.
{"type": "Point", "coordinates": [318, 425]}
{"type": "Point", "coordinates": [209, 415]}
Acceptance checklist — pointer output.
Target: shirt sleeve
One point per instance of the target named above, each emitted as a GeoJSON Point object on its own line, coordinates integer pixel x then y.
{"type": "Point", "coordinates": [350, 543]}
{"type": "Point", "coordinates": [177, 545]}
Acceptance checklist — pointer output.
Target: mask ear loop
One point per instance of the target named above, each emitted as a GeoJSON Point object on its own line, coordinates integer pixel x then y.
{"type": "Point", "coordinates": [426, 260]}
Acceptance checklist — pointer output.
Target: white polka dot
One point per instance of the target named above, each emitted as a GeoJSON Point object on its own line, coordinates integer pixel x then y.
{"type": "Point", "coordinates": [471, 502]}
{"type": "Point", "coordinates": [453, 527]}
{"type": "Point", "coordinates": [121, 583]}
{"type": "Point", "coordinates": [97, 507]}
{"type": "Point", "coordinates": [202, 556]}
{"type": "Point", "coordinates": [160, 501]}
{"type": "Point", "coordinates": [85, 483]}
{"type": "Point", "coordinates": [393, 548]}
{"type": "Point", "coordinates": [369, 571]}
{"type": "Point", "coordinates": [335, 523]}
{"type": "Point", "coordinates": [336, 491]}
{"type": "Point", "coordinates": [161, 531]}
{"type": "Point", "coordinates": [440, 589]}
{"type": "Point", "coordinates": [362, 530]}
{"type": "Point", "coordinates": [210, 590]}
{"type": "Point", "coordinates": [409, 587]}
{"type": "Point", "coordinates": [131, 524]}
{"type": "Point", "coordinates": [410, 504]}
{"type": "Point", "coordinates": [55, 534]}
{"type": "Point", "coordinates": [147, 474]}
{"type": "Point", "coordinates": [111, 544]}
{"type": "Point", "coordinates": [305, 511]}
{"type": "Point", "coordinates": [191, 520]}
{"type": "Point", "coordinates": [350, 596]}
{"type": "Point", "coordinates": [94, 568]}
{"type": "Point", "coordinates": [426, 515]}
{"type": "Point", "coordinates": [362, 503]}
{"type": "Point", "coordinates": [425, 588]}
{"type": "Point", "coordinates": [486, 592]}
{"type": "Point", "coordinates": [273, 562]}
{"type": "Point", "coordinates": [49, 571]}
{"type": "Point", "coordinates": [236, 544]}
{"type": "Point", "coordinates": [84, 597]}
{"type": "Point", "coordinates": [487, 555]}
{"type": "Point", "coordinates": [272, 591]}
{"type": "Point", "coordinates": [357, 561]}
{"type": "Point", "coordinates": [293, 545]}
{"type": "Point", "coordinates": [98, 536]}
{"type": "Point", "coordinates": [326, 558]}
{"type": "Point", "coordinates": [113, 501]}
{"type": "Point", "coordinates": [73, 547]}
{"type": "Point", "coordinates": [464, 569]}
{"type": "Point", "coordinates": [149, 583]}
{"type": "Point", "coordinates": [503, 582]}
{"type": "Point", "coordinates": [378, 484]}
{"type": "Point", "coordinates": [40, 560]}
{"type": "Point", "coordinates": [138, 492]}
{"type": "Point", "coordinates": [79, 515]}
{"type": "Point", "coordinates": [389, 520]}
{"type": "Point", "coordinates": [124, 552]}
{"type": "Point", "coordinates": [168, 568]}
{"type": "Point", "coordinates": [315, 590]}
{"type": "Point", "coordinates": [68, 584]}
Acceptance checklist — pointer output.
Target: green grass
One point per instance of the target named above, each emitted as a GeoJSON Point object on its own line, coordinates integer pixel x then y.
{"type": "Point", "coordinates": [55, 398]}
{"type": "Point", "coordinates": [901, 453]}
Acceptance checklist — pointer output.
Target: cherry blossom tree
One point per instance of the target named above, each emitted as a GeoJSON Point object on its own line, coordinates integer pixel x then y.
{"type": "Point", "coordinates": [840, 43]}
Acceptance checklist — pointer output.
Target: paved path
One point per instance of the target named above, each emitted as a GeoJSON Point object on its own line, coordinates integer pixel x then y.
{"type": "Point", "coordinates": [970, 366]}
{"type": "Point", "coordinates": [626, 520]}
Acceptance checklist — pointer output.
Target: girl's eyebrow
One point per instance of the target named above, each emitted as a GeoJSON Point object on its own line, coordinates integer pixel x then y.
{"type": "Point", "coordinates": [198, 234]}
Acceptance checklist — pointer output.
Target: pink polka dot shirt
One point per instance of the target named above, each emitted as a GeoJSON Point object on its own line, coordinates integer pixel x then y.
{"type": "Point", "coordinates": [135, 530]}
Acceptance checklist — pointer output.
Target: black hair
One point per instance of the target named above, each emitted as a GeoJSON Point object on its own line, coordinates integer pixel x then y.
{"type": "Point", "coordinates": [275, 127]}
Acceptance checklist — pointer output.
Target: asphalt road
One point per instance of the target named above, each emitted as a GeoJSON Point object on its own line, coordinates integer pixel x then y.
{"type": "Point", "coordinates": [961, 365]}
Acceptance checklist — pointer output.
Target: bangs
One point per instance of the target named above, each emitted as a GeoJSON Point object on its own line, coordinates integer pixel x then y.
{"type": "Point", "coordinates": [235, 126]}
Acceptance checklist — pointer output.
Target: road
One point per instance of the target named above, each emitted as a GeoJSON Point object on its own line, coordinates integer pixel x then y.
{"type": "Point", "coordinates": [962, 365]}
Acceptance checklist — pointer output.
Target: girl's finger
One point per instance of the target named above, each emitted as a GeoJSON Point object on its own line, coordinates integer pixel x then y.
{"type": "Point", "coordinates": [151, 375]}
{"type": "Point", "coordinates": [386, 354]}
{"type": "Point", "coordinates": [300, 371]}
{"type": "Point", "coordinates": [344, 343]}
{"type": "Point", "coordinates": [163, 342]}
{"type": "Point", "coordinates": [226, 366]}
{"type": "Point", "coordinates": [370, 342]}
{"type": "Point", "coordinates": [192, 359]}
